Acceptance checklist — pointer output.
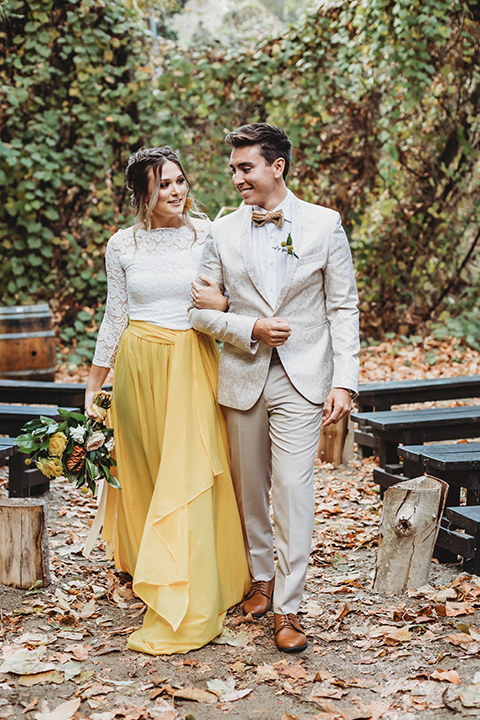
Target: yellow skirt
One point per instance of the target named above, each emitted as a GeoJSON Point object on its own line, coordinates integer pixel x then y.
{"type": "Point", "coordinates": [176, 523]}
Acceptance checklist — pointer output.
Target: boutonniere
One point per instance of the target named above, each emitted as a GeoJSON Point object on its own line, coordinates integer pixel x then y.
{"type": "Point", "coordinates": [287, 246]}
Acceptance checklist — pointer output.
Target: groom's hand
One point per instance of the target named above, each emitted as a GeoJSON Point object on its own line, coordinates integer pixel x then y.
{"type": "Point", "coordinates": [337, 405]}
{"type": "Point", "coordinates": [271, 331]}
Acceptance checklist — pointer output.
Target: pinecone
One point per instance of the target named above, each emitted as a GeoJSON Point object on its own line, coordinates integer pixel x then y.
{"type": "Point", "coordinates": [76, 461]}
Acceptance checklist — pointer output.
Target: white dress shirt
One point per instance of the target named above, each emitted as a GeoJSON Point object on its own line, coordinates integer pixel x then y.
{"type": "Point", "coordinates": [271, 263]}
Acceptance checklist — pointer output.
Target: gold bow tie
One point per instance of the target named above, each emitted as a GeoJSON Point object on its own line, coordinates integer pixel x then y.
{"type": "Point", "coordinates": [260, 218]}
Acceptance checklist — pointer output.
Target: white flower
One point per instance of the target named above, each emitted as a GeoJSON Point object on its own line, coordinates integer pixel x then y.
{"type": "Point", "coordinates": [77, 433]}
{"type": "Point", "coordinates": [110, 444]}
{"type": "Point", "coordinates": [95, 441]}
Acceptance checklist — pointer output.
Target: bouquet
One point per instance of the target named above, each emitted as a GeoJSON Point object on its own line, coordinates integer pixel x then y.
{"type": "Point", "coordinates": [77, 447]}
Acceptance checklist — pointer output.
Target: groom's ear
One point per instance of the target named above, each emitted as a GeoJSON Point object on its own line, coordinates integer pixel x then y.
{"type": "Point", "coordinates": [278, 167]}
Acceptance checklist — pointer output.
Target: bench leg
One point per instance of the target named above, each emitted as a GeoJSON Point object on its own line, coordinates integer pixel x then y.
{"type": "Point", "coordinates": [24, 481]}
{"type": "Point", "coordinates": [387, 452]}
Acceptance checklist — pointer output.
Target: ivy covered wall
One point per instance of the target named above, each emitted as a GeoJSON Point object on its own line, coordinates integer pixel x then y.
{"type": "Point", "coordinates": [380, 98]}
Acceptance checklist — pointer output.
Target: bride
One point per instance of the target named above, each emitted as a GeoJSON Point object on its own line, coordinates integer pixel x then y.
{"type": "Point", "coordinates": [175, 522]}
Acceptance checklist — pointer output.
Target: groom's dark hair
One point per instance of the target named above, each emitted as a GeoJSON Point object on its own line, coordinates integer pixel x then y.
{"type": "Point", "coordinates": [272, 141]}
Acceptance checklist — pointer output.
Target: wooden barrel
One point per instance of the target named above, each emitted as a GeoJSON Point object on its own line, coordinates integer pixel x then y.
{"type": "Point", "coordinates": [27, 343]}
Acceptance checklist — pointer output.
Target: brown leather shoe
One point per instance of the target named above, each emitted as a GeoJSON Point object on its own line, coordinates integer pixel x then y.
{"type": "Point", "coordinates": [289, 635]}
{"type": "Point", "coordinates": [258, 600]}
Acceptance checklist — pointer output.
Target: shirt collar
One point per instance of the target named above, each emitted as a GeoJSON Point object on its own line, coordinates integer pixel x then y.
{"type": "Point", "coordinates": [285, 205]}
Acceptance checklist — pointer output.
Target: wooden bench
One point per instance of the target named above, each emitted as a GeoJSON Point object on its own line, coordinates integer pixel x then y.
{"type": "Point", "coordinates": [24, 480]}
{"type": "Point", "coordinates": [415, 427]}
{"type": "Point", "coordinates": [378, 397]}
{"type": "Point", "coordinates": [467, 543]}
{"type": "Point", "coordinates": [459, 466]}
{"type": "Point", "coordinates": [44, 393]}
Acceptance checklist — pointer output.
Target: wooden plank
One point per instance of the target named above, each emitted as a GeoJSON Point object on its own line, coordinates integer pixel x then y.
{"type": "Point", "coordinates": [44, 393]}
{"type": "Point", "coordinates": [13, 417]}
{"type": "Point", "coordinates": [383, 395]}
{"type": "Point", "coordinates": [386, 479]}
{"type": "Point", "coordinates": [457, 543]}
{"type": "Point", "coordinates": [7, 448]}
{"type": "Point", "coordinates": [466, 517]}
{"type": "Point", "coordinates": [457, 456]}
{"type": "Point", "coordinates": [422, 418]}
{"type": "Point", "coordinates": [364, 439]}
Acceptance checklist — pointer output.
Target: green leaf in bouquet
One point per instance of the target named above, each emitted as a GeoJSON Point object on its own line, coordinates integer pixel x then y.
{"type": "Point", "coordinates": [32, 425]}
{"type": "Point", "coordinates": [92, 470]}
{"type": "Point", "coordinates": [112, 481]}
{"type": "Point", "coordinates": [67, 415]}
{"type": "Point", "coordinates": [27, 443]}
{"type": "Point", "coordinates": [48, 421]}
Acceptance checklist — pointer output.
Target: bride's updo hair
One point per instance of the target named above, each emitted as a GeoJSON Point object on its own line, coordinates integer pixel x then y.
{"type": "Point", "coordinates": [137, 175]}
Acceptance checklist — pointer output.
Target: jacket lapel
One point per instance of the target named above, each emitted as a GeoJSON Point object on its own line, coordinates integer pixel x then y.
{"type": "Point", "coordinates": [292, 261]}
{"type": "Point", "coordinates": [246, 242]}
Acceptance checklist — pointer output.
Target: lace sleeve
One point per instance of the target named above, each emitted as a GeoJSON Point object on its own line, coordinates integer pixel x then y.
{"type": "Point", "coordinates": [115, 319]}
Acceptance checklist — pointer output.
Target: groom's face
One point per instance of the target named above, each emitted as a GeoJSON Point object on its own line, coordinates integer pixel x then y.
{"type": "Point", "coordinates": [255, 180]}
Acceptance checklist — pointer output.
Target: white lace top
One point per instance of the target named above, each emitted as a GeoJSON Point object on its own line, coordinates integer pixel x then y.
{"type": "Point", "coordinates": [149, 281]}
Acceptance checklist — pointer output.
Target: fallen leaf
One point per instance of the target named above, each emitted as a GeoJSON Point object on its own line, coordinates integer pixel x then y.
{"type": "Point", "coordinates": [453, 609]}
{"type": "Point", "coordinates": [450, 676]}
{"type": "Point", "coordinates": [26, 662]}
{"type": "Point", "coordinates": [322, 690]}
{"type": "Point", "coordinates": [459, 638]}
{"type": "Point", "coordinates": [88, 609]}
{"type": "Point", "coordinates": [238, 666]}
{"type": "Point", "coordinates": [295, 672]}
{"type": "Point", "coordinates": [80, 652]}
{"type": "Point", "coordinates": [266, 673]}
{"type": "Point", "coordinates": [195, 694]}
{"type": "Point", "coordinates": [235, 639]}
{"type": "Point", "coordinates": [96, 689]}
{"type": "Point", "coordinates": [65, 711]}
{"type": "Point", "coordinates": [35, 639]}
{"type": "Point", "coordinates": [42, 678]}
{"type": "Point", "coordinates": [444, 595]}
{"type": "Point", "coordinates": [470, 696]}
{"type": "Point", "coordinates": [225, 690]}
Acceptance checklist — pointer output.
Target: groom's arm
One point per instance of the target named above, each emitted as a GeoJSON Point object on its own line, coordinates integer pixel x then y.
{"type": "Point", "coordinates": [226, 326]}
{"type": "Point", "coordinates": [341, 300]}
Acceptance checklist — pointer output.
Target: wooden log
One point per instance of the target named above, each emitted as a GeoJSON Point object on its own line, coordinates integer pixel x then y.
{"type": "Point", "coordinates": [24, 542]}
{"type": "Point", "coordinates": [332, 441]}
{"type": "Point", "coordinates": [408, 531]}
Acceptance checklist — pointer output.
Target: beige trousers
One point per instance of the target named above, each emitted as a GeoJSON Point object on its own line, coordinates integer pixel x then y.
{"type": "Point", "coordinates": [273, 447]}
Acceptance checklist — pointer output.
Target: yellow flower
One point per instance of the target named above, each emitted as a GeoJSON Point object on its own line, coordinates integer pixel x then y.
{"type": "Point", "coordinates": [57, 444]}
{"type": "Point", "coordinates": [50, 467]}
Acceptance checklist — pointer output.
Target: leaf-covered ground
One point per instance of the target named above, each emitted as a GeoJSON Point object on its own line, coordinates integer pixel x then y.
{"type": "Point", "coordinates": [407, 657]}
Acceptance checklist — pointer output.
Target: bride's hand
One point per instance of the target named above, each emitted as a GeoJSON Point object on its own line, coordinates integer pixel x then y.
{"type": "Point", "coordinates": [207, 296]}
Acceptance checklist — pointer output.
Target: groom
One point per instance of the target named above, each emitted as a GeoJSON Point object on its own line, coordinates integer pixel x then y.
{"type": "Point", "coordinates": [290, 353]}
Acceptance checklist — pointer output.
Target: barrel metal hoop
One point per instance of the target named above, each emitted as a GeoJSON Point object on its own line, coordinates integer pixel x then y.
{"type": "Point", "coordinates": [40, 333]}
{"type": "Point", "coordinates": [15, 373]}
{"type": "Point", "coordinates": [25, 311]}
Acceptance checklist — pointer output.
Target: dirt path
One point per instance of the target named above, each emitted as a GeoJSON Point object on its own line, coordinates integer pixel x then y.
{"type": "Point", "coordinates": [403, 657]}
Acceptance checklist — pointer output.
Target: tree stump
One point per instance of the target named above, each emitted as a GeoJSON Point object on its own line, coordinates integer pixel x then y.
{"type": "Point", "coordinates": [24, 542]}
{"type": "Point", "coordinates": [409, 526]}
{"type": "Point", "coordinates": [332, 442]}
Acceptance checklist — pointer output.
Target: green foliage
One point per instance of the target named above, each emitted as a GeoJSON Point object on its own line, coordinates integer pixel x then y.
{"type": "Point", "coordinates": [73, 76]}
{"type": "Point", "coordinates": [380, 98]}
{"type": "Point", "coordinates": [465, 327]}
{"type": "Point", "coordinates": [381, 102]}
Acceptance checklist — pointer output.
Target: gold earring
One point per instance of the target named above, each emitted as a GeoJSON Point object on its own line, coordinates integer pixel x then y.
{"type": "Point", "coordinates": [188, 204]}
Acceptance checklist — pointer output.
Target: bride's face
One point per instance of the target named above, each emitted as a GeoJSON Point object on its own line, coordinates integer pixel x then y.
{"type": "Point", "coordinates": [171, 196]}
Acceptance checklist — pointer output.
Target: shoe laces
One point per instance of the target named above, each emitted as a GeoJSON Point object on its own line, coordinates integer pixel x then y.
{"type": "Point", "coordinates": [260, 586]}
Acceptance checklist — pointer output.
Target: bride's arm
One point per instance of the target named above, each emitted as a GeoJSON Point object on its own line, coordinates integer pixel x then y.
{"type": "Point", "coordinates": [207, 295]}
